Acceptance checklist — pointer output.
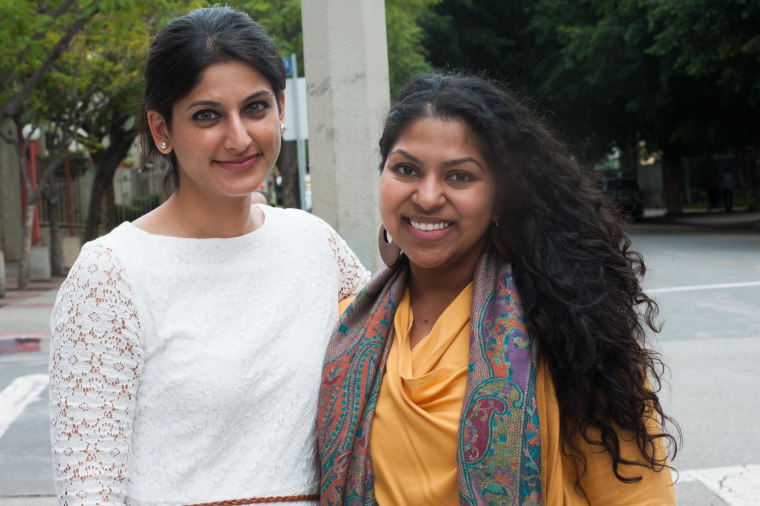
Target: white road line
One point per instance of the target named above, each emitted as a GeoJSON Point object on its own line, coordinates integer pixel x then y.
{"type": "Point", "coordinates": [18, 395]}
{"type": "Point", "coordinates": [737, 485]}
{"type": "Point", "coordinates": [702, 287]}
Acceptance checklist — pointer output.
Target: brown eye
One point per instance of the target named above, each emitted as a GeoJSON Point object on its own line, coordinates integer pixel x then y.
{"type": "Point", "coordinates": [461, 177]}
{"type": "Point", "coordinates": [206, 115]}
{"type": "Point", "coordinates": [405, 170]}
{"type": "Point", "coordinates": [256, 107]}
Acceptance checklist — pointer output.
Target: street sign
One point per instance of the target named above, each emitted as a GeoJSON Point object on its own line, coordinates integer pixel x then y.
{"type": "Point", "coordinates": [288, 68]}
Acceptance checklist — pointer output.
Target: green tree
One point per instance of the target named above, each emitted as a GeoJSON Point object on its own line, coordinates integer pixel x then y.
{"type": "Point", "coordinates": [35, 35]}
{"type": "Point", "coordinates": [717, 44]}
{"type": "Point", "coordinates": [406, 54]}
{"type": "Point", "coordinates": [74, 67]}
{"type": "Point", "coordinates": [617, 73]}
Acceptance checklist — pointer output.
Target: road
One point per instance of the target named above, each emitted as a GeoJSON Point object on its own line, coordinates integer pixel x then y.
{"type": "Point", "coordinates": [708, 287]}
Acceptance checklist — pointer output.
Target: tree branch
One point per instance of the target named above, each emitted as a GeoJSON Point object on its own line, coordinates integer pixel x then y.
{"type": "Point", "coordinates": [13, 106]}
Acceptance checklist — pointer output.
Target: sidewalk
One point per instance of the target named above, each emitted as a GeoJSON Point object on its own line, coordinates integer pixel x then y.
{"type": "Point", "coordinates": [24, 315]}
{"type": "Point", "coordinates": [736, 220]}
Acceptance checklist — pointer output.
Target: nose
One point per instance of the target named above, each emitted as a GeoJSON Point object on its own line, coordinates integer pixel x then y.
{"type": "Point", "coordinates": [429, 194]}
{"type": "Point", "coordinates": [237, 137]}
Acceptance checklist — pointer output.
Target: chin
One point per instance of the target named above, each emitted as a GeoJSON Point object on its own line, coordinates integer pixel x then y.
{"type": "Point", "coordinates": [428, 263]}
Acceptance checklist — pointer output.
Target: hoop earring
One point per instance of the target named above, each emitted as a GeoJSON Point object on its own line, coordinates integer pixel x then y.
{"type": "Point", "coordinates": [389, 251]}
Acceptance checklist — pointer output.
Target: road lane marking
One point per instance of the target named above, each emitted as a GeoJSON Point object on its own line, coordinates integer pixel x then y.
{"type": "Point", "coordinates": [691, 288]}
{"type": "Point", "coordinates": [737, 485]}
{"type": "Point", "coordinates": [18, 395]}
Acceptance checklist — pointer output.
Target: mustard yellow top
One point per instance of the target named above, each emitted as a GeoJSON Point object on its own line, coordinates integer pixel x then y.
{"type": "Point", "coordinates": [415, 430]}
{"type": "Point", "coordinates": [413, 441]}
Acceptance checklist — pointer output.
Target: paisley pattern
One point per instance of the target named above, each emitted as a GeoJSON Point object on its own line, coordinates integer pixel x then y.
{"type": "Point", "coordinates": [499, 448]}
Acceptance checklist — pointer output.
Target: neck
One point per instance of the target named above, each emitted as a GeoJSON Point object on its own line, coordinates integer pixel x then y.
{"type": "Point", "coordinates": [439, 286]}
{"type": "Point", "coordinates": [204, 217]}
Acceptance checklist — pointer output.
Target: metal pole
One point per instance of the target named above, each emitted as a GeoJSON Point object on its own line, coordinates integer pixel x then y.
{"type": "Point", "coordinates": [300, 144]}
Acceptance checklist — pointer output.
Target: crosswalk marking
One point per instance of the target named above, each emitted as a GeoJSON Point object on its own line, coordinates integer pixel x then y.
{"type": "Point", "coordinates": [18, 395]}
{"type": "Point", "coordinates": [690, 288]}
{"type": "Point", "coordinates": [736, 485]}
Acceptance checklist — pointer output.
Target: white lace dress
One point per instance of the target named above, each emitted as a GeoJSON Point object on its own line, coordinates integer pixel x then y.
{"type": "Point", "coordinates": [187, 370]}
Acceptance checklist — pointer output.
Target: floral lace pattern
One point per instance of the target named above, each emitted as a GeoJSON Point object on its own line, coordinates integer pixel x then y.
{"type": "Point", "coordinates": [187, 370]}
{"type": "Point", "coordinates": [95, 364]}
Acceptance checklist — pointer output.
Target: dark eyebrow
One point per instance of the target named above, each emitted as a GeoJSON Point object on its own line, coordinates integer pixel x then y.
{"type": "Point", "coordinates": [412, 158]}
{"type": "Point", "coordinates": [450, 163]}
{"type": "Point", "coordinates": [460, 161]}
{"type": "Point", "coordinates": [212, 103]}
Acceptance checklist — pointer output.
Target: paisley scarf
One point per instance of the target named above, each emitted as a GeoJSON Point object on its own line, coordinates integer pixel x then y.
{"type": "Point", "coordinates": [499, 450]}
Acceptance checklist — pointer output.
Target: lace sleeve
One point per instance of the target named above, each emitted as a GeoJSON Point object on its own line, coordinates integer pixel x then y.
{"type": "Point", "coordinates": [353, 275]}
{"type": "Point", "coordinates": [95, 365]}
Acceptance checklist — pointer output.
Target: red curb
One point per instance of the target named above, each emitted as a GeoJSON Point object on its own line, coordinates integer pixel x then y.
{"type": "Point", "coordinates": [19, 345]}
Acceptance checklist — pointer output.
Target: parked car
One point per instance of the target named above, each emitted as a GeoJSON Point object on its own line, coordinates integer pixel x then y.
{"type": "Point", "coordinates": [626, 195]}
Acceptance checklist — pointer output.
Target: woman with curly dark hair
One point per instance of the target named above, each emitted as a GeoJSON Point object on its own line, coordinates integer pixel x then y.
{"type": "Point", "coordinates": [500, 357]}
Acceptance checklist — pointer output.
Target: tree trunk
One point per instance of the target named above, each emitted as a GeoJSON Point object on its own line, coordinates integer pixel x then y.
{"type": "Point", "coordinates": [108, 219]}
{"type": "Point", "coordinates": [26, 244]}
{"type": "Point", "coordinates": [672, 176]}
{"type": "Point", "coordinates": [102, 208]}
{"type": "Point", "coordinates": [288, 165]}
{"type": "Point", "coordinates": [95, 208]}
{"type": "Point", "coordinates": [56, 250]}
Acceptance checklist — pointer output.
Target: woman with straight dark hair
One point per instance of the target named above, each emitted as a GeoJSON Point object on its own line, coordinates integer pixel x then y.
{"type": "Point", "coordinates": [187, 346]}
{"type": "Point", "coordinates": [500, 357]}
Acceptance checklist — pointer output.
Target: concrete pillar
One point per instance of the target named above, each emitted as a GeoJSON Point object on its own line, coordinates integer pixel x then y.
{"type": "Point", "coordinates": [346, 63]}
{"type": "Point", "coordinates": [70, 246]}
{"type": "Point", "coordinates": [39, 264]}
{"type": "Point", "coordinates": [10, 195]}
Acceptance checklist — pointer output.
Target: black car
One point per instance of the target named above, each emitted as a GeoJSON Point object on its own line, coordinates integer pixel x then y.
{"type": "Point", "coordinates": [626, 195]}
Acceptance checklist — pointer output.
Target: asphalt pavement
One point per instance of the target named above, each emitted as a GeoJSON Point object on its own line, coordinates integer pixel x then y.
{"type": "Point", "coordinates": [697, 348]}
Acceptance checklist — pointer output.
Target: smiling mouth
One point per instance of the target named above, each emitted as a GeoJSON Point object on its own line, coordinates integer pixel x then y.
{"type": "Point", "coordinates": [238, 164]}
{"type": "Point", "coordinates": [429, 227]}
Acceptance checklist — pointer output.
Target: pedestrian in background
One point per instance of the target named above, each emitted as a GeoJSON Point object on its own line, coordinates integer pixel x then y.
{"type": "Point", "coordinates": [501, 356]}
{"type": "Point", "coordinates": [727, 184]}
{"type": "Point", "coordinates": [187, 346]}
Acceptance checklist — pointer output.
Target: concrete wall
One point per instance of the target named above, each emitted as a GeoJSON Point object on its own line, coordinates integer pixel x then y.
{"type": "Point", "coordinates": [346, 61]}
{"type": "Point", "coordinates": [10, 196]}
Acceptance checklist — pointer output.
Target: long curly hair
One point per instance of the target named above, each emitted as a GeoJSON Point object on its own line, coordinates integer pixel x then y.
{"type": "Point", "coordinates": [578, 277]}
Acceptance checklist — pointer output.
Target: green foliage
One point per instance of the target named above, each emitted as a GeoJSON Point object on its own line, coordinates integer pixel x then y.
{"type": "Point", "coordinates": [681, 74]}
{"type": "Point", "coordinates": [282, 21]}
{"type": "Point", "coordinates": [406, 54]}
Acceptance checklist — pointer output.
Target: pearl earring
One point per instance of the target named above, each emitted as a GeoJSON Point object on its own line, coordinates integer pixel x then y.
{"type": "Point", "coordinates": [282, 129]}
{"type": "Point", "coordinates": [163, 144]}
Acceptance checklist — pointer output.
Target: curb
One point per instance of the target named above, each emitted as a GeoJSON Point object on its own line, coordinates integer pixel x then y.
{"type": "Point", "coordinates": [19, 345]}
{"type": "Point", "coordinates": [23, 342]}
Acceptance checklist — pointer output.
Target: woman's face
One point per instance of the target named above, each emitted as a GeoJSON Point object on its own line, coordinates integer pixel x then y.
{"type": "Point", "coordinates": [437, 195]}
{"type": "Point", "coordinates": [225, 133]}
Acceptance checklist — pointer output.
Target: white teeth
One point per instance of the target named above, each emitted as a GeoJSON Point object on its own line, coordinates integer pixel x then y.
{"type": "Point", "coordinates": [428, 227]}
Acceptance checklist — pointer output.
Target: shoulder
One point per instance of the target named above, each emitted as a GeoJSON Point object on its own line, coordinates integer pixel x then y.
{"type": "Point", "coordinates": [299, 224]}
{"type": "Point", "coordinates": [121, 240]}
{"type": "Point", "coordinates": [293, 216]}
{"type": "Point", "coordinates": [101, 264]}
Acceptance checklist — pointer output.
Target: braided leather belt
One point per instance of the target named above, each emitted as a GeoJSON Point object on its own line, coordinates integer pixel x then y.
{"type": "Point", "coordinates": [260, 500]}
